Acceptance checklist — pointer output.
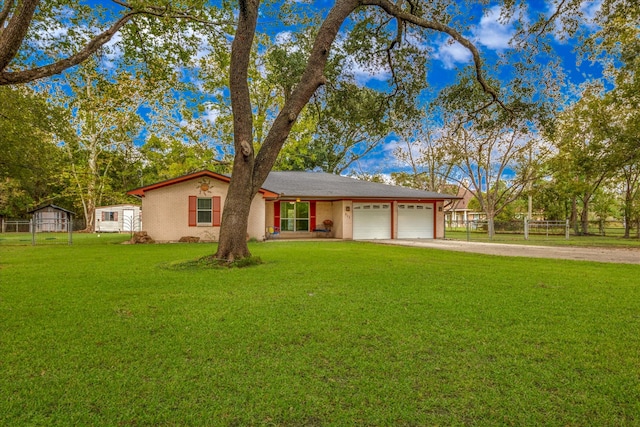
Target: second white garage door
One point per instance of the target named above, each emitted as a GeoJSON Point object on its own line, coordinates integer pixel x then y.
{"type": "Point", "coordinates": [371, 221]}
{"type": "Point", "coordinates": [415, 221]}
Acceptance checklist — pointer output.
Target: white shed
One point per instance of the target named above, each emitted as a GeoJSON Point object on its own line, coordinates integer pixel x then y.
{"type": "Point", "coordinates": [118, 219]}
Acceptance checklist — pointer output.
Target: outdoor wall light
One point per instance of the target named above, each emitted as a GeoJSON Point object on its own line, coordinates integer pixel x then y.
{"type": "Point", "coordinates": [348, 208]}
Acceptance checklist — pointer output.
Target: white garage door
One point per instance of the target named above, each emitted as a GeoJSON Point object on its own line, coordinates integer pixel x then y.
{"type": "Point", "coordinates": [371, 221]}
{"type": "Point", "coordinates": [415, 221]}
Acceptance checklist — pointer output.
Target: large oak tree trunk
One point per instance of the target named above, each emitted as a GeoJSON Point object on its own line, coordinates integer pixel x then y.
{"type": "Point", "coordinates": [235, 218]}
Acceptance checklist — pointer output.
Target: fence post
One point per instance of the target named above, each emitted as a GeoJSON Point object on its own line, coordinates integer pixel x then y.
{"type": "Point", "coordinates": [566, 230]}
{"type": "Point", "coordinates": [468, 231]}
{"type": "Point", "coordinates": [32, 226]}
{"type": "Point", "coordinates": [526, 228]}
{"type": "Point", "coordinates": [70, 228]}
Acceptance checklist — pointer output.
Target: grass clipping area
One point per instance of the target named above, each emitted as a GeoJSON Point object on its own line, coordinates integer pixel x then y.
{"type": "Point", "coordinates": [339, 333]}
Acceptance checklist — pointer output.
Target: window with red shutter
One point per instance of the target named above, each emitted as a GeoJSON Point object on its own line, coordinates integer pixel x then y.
{"type": "Point", "coordinates": [216, 211]}
{"type": "Point", "coordinates": [193, 219]}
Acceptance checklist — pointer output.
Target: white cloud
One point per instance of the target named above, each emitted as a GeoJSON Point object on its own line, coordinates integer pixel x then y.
{"type": "Point", "coordinates": [284, 38]}
{"type": "Point", "coordinates": [490, 32]}
{"type": "Point", "coordinates": [365, 73]}
{"type": "Point", "coordinates": [590, 9]}
{"type": "Point", "coordinates": [451, 53]}
{"type": "Point", "coordinates": [493, 33]}
{"type": "Point", "coordinates": [211, 114]}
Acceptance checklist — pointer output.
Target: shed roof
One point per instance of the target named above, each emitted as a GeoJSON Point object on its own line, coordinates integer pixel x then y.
{"type": "Point", "coordinates": [325, 185]}
{"type": "Point", "coordinates": [39, 208]}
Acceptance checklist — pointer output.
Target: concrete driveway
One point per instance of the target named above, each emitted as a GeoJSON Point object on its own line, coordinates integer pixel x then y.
{"type": "Point", "coordinates": [612, 255]}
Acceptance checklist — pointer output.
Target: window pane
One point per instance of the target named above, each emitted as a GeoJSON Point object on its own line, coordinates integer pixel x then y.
{"type": "Point", "coordinates": [287, 210]}
{"type": "Point", "coordinates": [204, 217]}
{"type": "Point", "coordinates": [302, 225]}
{"type": "Point", "coordinates": [204, 211]}
{"type": "Point", "coordinates": [302, 210]}
{"type": "Point", "coordinates": [286, 225]}
{"type": "Point", "coordinates": [204, 203]}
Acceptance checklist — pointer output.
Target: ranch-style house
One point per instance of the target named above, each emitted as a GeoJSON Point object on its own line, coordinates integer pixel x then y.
{"type": "Point", "coordinates": [293, 205]}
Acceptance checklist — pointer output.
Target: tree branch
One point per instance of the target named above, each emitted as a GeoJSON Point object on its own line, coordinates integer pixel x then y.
{"type": "Point", "coordinates": [167, 12]}
{"type": "Point", "coordinates": [14, 39]}
{"type": "Point", "coordinates": [59, 66]}
{"type": "Point", "coordinates": [5, 11]}
{"type": "Point", "coordinates": [13, 34]}
{"type": "Point", "coordinates": [400, 14]}
{"type": "Point", "coordinates": [552, 18]}
{"type": "Point", "coordinates": [312, 78]}
{"type": "Point", "coordinates": [238, 82]}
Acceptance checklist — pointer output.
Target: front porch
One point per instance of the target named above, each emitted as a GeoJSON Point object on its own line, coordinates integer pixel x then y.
{"type": "Point", "coordinates": [304, 219]}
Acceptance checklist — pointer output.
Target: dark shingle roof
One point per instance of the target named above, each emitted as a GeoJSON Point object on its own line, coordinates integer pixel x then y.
{"type": "Point", "coordinates": [324, 185]}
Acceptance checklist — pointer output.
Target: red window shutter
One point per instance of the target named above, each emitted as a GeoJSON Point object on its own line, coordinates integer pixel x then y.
{"type": "Point", "coordinates": [276, 214]}
{"type": "Point", "coordinates": [312, 214]}
{"type": "Point", "coordinates": [104, 215]}
{"type": "Point", "coordinates": [193, 201]}
{"type": "Point", "coordinates": [115, 216]}
{"type": "Point", "coordinates": [216, 211]}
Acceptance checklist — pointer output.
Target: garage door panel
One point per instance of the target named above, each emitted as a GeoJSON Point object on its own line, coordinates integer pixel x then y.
{"type": "Point", "coordinates": [371, 221]}
{"type": "Point", "coordinates": [415, 221]}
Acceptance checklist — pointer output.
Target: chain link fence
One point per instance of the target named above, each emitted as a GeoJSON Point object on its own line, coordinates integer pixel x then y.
{"type": "Point", "coordinates": [532, 230]}
{"type": "Point", "coordinates": [39, 232]}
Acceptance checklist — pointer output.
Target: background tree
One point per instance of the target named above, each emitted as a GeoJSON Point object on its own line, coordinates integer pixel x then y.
{"type": "Point", "coordinates": [497, 149]}
{"type": "Point", "coordinates": [591, 149]}
{"type": "Point", "coordinates": [348, 123]}
{"type": "Point", "coordinates": [106, 117]}
{"type": "Point", "coordinates": [30, 157]}
{"type": "Point", "coordinates": [430, 160]}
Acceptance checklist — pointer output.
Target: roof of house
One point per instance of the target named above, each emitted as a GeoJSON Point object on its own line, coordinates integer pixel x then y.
{"type": "Point", "coordinates": [325, 185]}
{"type": "Point", "coordinates": [317, 185]}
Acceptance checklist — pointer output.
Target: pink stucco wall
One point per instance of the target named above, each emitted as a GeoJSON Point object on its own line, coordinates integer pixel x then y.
{"type": "Point", "coordinates": [166, 211]}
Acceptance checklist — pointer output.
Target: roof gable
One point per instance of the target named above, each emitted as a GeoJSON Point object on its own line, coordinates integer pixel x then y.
{"type": "Point", "coordinates": [204, 173]}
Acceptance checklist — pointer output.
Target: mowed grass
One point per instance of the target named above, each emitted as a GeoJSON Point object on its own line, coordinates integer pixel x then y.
{"type": "Point", "coordinates": [322, 333]}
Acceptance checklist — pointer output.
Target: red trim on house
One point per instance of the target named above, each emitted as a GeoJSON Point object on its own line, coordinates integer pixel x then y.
{"type": "Point", "coordinates": [205, 173]}
{"type": "Point", "coordinates": [216, 211]}
{"type": "Point", "coordinates": [435, 221]}
{"type": "Point", "coordinates": [394, 206]}
{"type": "Point", "coordinates": [193, 217]}
{"type": "Point", "coordinates": [312, 215]}
{"type": "Point", "coordinates": [276, 213]}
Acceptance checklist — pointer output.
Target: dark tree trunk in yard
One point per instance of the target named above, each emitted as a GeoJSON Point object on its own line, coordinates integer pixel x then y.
{"type": "Point", "coordinates": [584, 215]}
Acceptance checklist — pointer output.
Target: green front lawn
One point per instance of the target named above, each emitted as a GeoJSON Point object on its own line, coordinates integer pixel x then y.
{"type": "Point", "coordinates": [327, 333]}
